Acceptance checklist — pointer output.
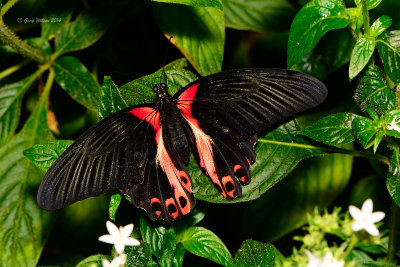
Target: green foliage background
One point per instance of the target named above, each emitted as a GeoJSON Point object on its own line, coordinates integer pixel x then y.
{"type": "Point", "coordinates": [66, 64]}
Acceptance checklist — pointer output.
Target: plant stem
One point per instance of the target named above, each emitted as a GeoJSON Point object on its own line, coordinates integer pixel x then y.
{"type": "Point", "coordinates": [7, 6]}
{"type": "Point", "coordinates": [21, 47]}
{"type": "Point", "coordinates": [393, 233]}
{"type": "Point", "coordinates": [49, 83]}
{"type": "Point", "coordinates": [364, 4]}
{"type": "Point", "coordinates": [351, 152]}
{"type": "Point", "coordinates": [13, 69]}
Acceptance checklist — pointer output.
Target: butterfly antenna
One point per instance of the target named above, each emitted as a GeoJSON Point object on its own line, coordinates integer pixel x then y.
{"type": "Point", "coordinates": [163, 74]}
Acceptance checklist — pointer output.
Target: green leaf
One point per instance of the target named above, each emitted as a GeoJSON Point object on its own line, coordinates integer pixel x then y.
{"type": "Point", "coordinates": [282, 145]}
{"type": "Point", "coordinates": [179, 254]}
{"type": "Point", "coordinates": [55, 15]}
{"type": "Point", "coordinates": [94, 260]}
{"type": "Point", "coordinates": [315, 182]}
{"type": "Point", "coordinates": [392, 120]}
{"type": "Point", "coordinates": [393, 178]}
{"type": "Point", "coordinates": [140, 90]}
{"type": "Point", "coordinates": [332, 52]}
{"type": "Point", "coordinates": [362, 52]}
{"type": "Point", "coordinates": [40, 44]}
{"type": "Point", "coordinates": [23, 229]}
{"type": "Point", "coordinates": [258, 15]}
{"type": "Point", "coordinates": [380, 25]}
{"type": "Point", "coordinates": [371, 3]}
{"type": "Point", "coordinates": [43, 155]}
{"type": "Point", "coordinates": [204, 243]}
{"type": "Point", "coordinates": [198, 32]}
{"type": "Point", "coordinates": [373, 92]}
{"type": "Point", "coordinates": [188, 221]}
{"type": "Point", "coordinates": [10, 106]}
{"type": "Point", "coordinates": [138, 256]}
{"type": "Point", "coordinates": [77, 81]}
{"type": "Point", "coordinates": [114, 204]}
{"type": "Point", "coordinates": [253, 253]}
{"type": "Point", "coordinates": [162, 241]}
{"type": "Point", "coordinates": [110, 99]}
{"type": "Point", "coordinates": [196, 3]}
{"type": "Point", "coordinates": [365, 130]}
{"type": "Point", "coordinates": [389, 50]}
{"type": "Point", "coordinates": [88, 27]}
{"type": "Point", "coordinates": [312, 22]}
{"type": "Point", "coordinates": [332, 130]}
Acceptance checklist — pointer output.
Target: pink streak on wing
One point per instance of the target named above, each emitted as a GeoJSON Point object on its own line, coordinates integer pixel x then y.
{"type": "Point", "coordinates": [151, 116]}
{"type": "Point", "coordinates": [203, 142]}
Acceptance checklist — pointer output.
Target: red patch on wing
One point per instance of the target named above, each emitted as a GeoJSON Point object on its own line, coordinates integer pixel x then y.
{"type": "Point", "coordinates": [151, 116]}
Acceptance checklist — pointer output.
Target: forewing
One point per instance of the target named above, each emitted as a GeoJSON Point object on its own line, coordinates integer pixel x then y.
{"type": "Point", "coordinates": [226, 111]}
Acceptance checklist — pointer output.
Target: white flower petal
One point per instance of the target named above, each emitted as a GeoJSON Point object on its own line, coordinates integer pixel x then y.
{"type": "Point", "coordinates": [371, 229]}
{"type": "Point", "coordinates": [355, 212]}
{"type": "Point", "coordinates": [105, 263]}
{"type": "Point", "coordinates": [127, 230]}
{"type": "Point", "coordinates": [119, 247]}
{"type": "Point", "coordinates": [357, 226]}
{"type": "Point", "coordinates": [367, 207]}
{"type": "Point", "coordinates": [112, 229]}
{"type": "Point", "coordinates": [107, 239]}
{"type": "Point", "coordinates": [377, 216]}
{"type": "Point", "coordinates": [130, 241]}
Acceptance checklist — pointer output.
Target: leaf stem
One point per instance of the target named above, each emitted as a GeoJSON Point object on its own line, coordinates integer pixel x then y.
{"type": "Point", "coordinates": [364, 4]}
{"type": "Point", "coordinates": [7, 6]}
{"type": "Point", "coordinates": [8, 37]}
{"type": "Point", "coordinates": [13, 69]}
{"type": "Point", "coordinates": [352, 152]}
{"type": "Point", "coordinates": [393, 233]}
{"type": "Point", "coordinates": [49, 83]}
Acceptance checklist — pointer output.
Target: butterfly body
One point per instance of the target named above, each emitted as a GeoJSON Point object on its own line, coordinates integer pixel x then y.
{"type": "Point", "coordinates": [143, 150]}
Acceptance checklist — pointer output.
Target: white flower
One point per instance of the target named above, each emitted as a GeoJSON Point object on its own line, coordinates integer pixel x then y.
{"type": "Point", "coordinates": [365, 218]}
{"type": "Point", "coordinates": [393, 126]}
{"type": "Point", "coordinates": [327, 261]}
{"type": "Point", "coordinates": [119, 237]}
{"type": "Point", "coordinates": [116, 262]}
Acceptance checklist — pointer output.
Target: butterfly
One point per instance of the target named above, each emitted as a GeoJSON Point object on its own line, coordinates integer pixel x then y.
{"type": "Point", "coordinates": [142, 151]}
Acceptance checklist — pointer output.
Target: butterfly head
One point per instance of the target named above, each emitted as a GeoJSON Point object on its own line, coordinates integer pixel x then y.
{"type": "Point", "coordinates": [161, 89]}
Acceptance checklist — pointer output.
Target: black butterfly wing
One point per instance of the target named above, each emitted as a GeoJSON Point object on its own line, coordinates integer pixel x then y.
{"type": "Point", "coordinates": [226, 111]}
{"type": "Point", "coordinates": [118, 153]}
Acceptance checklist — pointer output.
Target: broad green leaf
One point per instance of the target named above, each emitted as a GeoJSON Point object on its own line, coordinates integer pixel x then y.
{"type": "Point", "coordinates": [332, 130]}
{"type": "Point", "coordinates": [40, 44]}
{"type": "Point", "coordinates": [198, 32]}
{"type": "Point", "coordinates": [389, 50]}
{"type": "Point", "coordinates": [188, 221]}
{"type": "Point", "coordinates": [312, 22]}
{"type": "Point", "coordinates": [277, 154]}
{"type": "Point", "coordinates": [138, 256]}
{"type": "Point", "coordinates": [380, 25]}
{"type": "Point", "coordinates": [110, 99]}
{"type": "Point", "coordinates": [77, 81]}
{"type": "Point", "coordinates": [365, 130]}
{"type": "Point", "coordinates": [55, 15]}
{"type": "Point", "coordinates": [373, 92]}
{"type": "Point", "coordinates": [114, 204]}
{"type": "Point", "coordinates": [162, 241]}
{"type": "Point", "coordinates": [23, 229]}
{"type": "Point", "coordinates": [362, 52]}
{"type": "Point", "coordinates": [10, 106]}
{"type": "Point", "coordinates": [315, 182]}
{"type": "Point", "coordinates": [197, 3]}
{"type": "Point", "coordinates": [393, 177]}
{"type": "Point", "coordinates": [371, 3]}
{"type": "Point", "coordinates": [258, 15]}
{"type": "Point", "coordinates": [253, 253]}
{"type": "Point", "coordinates": [332, 52]}
{"type": "Point", "coordinates": [140, 90]}
{"type": "Point", "coordinates": [179, 254]}
{"type": "Point", "coordinates": [88, 27]}
{"type": "Point", "coordinates": [206, 244]}
{"type": "Point", "coordinates": [93, 261]}
{"type": "Point", "coordinates": [43, 155]}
